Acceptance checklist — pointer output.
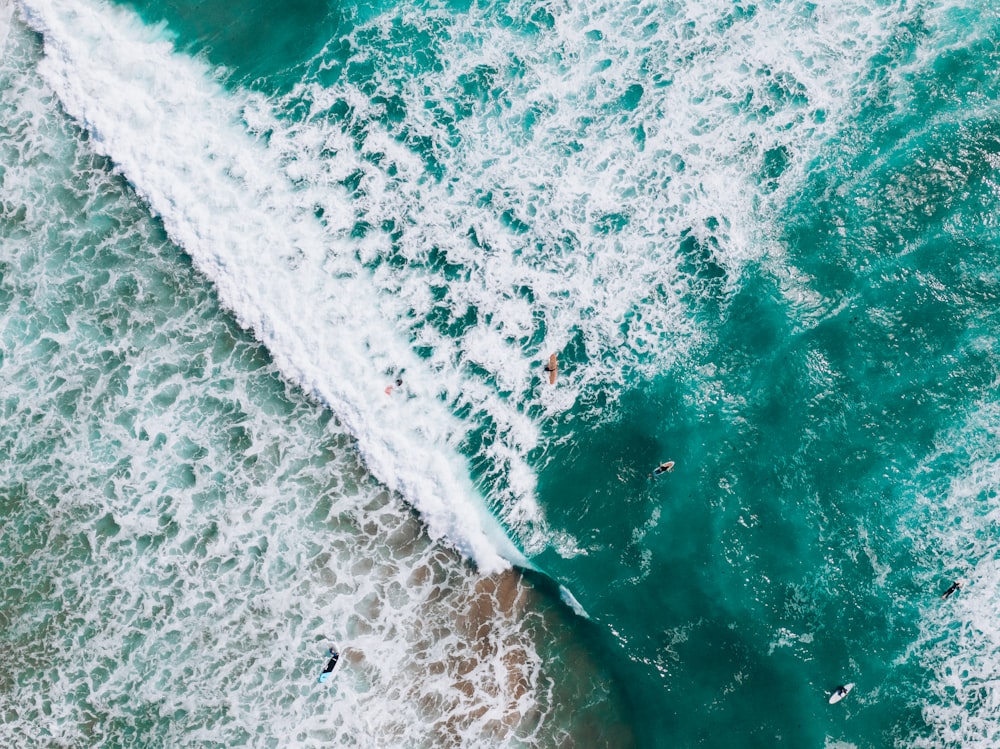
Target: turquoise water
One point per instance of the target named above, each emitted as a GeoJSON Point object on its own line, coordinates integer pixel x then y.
{"type": "Point", "coordinates": [762, 240]}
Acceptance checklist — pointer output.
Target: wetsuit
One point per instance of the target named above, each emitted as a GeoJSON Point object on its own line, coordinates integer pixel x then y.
{"type": "Point", "coordinates": [952, 589]}
{"type": "Point", "coordinates": [332, 664]}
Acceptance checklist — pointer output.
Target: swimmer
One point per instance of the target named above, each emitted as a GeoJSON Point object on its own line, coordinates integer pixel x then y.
{"type": "Point", "coordinates": [954, 588]}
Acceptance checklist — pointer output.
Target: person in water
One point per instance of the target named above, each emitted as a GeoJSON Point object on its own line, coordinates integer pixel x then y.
{"type": "Point", "coordinates": [663, 468]}
{"type": "Point", "coordinates": [552, 368]}
{"type": "Point", "coordinates": [954, 587]}
{"type": "Point", "coordinates": [333, 661]}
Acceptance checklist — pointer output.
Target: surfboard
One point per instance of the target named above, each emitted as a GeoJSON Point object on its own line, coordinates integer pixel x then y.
{"type": "Point", "coordinates": [340, 662]}
{"type": "Point", "coordinates": [663, 468]}
{"type": "Point", "coordinates": [840, 693]}
{"type": "Point", "coordinates": [552, 368]}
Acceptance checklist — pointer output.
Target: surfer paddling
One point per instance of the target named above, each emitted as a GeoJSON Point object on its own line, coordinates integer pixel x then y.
{"type": "Point", "coordinates": [666, 467]}
{"type": "Point", "coordinates": [331, 666]}
{"type": "Point", "coordinates": [840, 693]}
{"type": "Point", "coordinates": [335, 656]}
{"type": "Point", "coordinates": [953, 589]}
{"type": "Point", "coordinates": [552, 368]}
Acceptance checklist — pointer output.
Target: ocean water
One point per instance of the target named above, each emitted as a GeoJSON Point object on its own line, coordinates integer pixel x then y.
{"type": "Point", "coordinates": [761, 239]}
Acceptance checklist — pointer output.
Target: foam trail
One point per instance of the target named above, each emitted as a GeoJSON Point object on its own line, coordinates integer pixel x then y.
{"type": "Point", "coordinates": [956, 536]}
{"type": "Point", "coordinates": [224, 197]}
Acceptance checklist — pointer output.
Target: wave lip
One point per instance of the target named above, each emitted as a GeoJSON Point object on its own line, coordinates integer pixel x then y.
{"type": "Point", "coordinates": [228, 201]}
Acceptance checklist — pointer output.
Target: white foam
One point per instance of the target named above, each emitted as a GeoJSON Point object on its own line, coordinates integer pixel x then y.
{"type": "Point", "coordinates": [6, 13]}
{"type": "Point", "coordinates": [225, 198]}
{"type": "Point", "coordinates": [953, 534]}
{"type": "Point", "coordinates": [601, 215]}
{"type": "Point", "coordinates": [832, 743]}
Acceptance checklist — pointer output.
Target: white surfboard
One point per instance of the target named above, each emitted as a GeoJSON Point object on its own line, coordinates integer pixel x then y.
{"type": "Point", "coordinates": [336, 666]}
{"type": "Point", "coordinates": [840, 693]}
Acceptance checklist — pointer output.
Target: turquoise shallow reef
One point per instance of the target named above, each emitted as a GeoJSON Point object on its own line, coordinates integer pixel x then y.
{"type": "Point", "coordinates": [278, 286]}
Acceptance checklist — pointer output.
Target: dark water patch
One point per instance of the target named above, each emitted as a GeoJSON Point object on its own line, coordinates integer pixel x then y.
{"type": "Point", "coordinates": [255, 42]}
{"type": "Point", "coordinates": [748, 551]}
{"type": "Point", "coordinates": [629, 100]}
{"type": "Point", "coordinates": [775, 162]}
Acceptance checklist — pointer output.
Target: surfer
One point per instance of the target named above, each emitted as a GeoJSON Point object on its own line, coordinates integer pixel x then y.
{"type": "Point", "coordinates": [333, 661]}
{"type": "Point", "coordinates": [663, 468]}
{"type": "Point", "coordinates": [840, 692]}
{"type": "Point", "coordinates": [954, 588]}
{"type": "Point", "coordinates": [399, 383]}
{"type": "Point", "coordinates": [552, 368]}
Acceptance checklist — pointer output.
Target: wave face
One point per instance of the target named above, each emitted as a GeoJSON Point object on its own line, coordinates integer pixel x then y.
{"type": "Point", "coordinates": [760, 237]}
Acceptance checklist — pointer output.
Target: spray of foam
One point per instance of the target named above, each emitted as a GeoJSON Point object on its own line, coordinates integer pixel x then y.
{"type": "Point", "coordinates": [955, 535]}
{"type": "Point", "coordinates": [6, 14]}
{"type": "Point", "coordinates": [226, 199]}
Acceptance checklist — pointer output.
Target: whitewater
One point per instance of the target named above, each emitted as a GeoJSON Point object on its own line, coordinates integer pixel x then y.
{"type": "Point", "coordinates": [229, 201]}
{"type": "Point", "coordinates": [176, 561]}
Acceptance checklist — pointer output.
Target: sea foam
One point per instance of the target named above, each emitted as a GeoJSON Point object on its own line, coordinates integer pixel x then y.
{"type": "Point", "coordinates": [576, 179]}
{"type": "Point", "coordinates": [955, 536]}
{"type": "Point", "coordinates": [224, 197]}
